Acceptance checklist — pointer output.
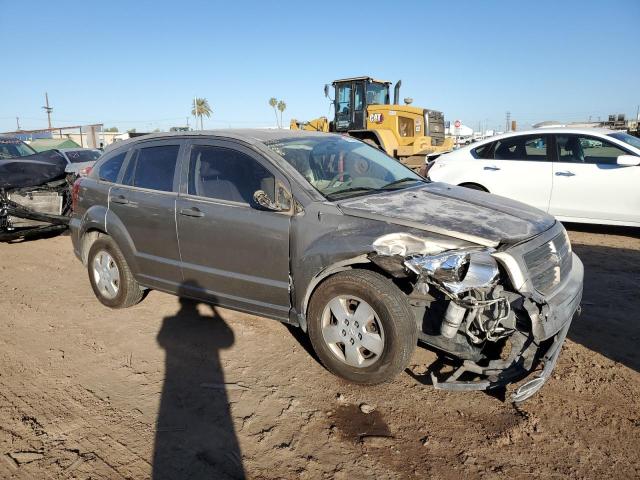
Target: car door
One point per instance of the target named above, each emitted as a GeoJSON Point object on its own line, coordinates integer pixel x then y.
{"type": "Point", "coordinates": [144, 204]}
{"type": "Point", "coordinates": [343, 103]}
{"type": "Point", "coordinates": [233, 253]}
{"type": "Point", "coordinates": [517, 167]}
{"type": "Point", "coordinates": [588, 185]}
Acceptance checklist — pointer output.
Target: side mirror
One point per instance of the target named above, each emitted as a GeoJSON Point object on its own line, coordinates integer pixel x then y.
{"type": "Point", "coordinates": [264, 201]}
{"type": "Point", "coordinates": [326, 90]}
{"type": "Point", "coordinates": [628, 161]}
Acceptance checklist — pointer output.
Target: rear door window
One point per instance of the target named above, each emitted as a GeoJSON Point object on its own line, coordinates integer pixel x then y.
{"type": "Point", "coordinates": [529, 148]}
{"type": "Point", "coordinates": [226, 174]}
{"type": "Point", "coordinates": [109, 169]}
{"type": "Point", "coordinates": [153, 168]}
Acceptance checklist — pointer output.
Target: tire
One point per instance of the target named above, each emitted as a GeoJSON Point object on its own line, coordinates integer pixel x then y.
{"type": "Point", "coordinates": [395, 336]}
{"type": "Point", "coordinates": [105, 254]}
{"type": "Point", "coordinates": [474, 186]}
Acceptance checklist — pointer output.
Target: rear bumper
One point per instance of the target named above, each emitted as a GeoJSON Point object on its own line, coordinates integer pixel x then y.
{"type": "Point", "coordinates": [74, 229]}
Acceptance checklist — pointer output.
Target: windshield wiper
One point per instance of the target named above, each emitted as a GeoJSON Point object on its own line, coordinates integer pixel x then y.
{"type": "Point", "coordinates": [399, 182]}
{"type": "Point", "coordinates": [331, 196]}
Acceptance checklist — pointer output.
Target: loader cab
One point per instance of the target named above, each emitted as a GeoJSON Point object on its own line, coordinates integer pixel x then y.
{"type": "Point", "coordinates": [352, 96]}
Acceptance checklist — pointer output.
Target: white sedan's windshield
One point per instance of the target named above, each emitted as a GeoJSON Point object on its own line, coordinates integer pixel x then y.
{"type": "Point", "coordinates": [626, 138]}
{"type": "Point", "coordinates": [340, 167]}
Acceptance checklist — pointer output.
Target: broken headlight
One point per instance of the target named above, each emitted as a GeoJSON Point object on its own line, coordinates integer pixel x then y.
{"type": "Point", "coordinates": [456, 271]}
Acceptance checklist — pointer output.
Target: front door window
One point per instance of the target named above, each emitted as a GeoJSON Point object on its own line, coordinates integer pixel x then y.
{"type": "Point", "coordinates": [226, 174]}
{"type": "Point", "coordinates": [583, 149]}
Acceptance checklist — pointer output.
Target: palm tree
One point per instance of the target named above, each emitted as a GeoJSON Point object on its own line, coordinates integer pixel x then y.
{"type": "Point", "coordinates": [281, 107]}
{"type": "Point", "coordinates": [201, 108]}
{"type": "Point", "coordinates": [273, 101]}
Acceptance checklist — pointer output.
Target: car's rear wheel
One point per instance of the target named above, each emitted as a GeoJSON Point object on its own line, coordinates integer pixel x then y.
{"type": "Point", "coordinates": [361, 326]}
{"type": "Point", "coordinates": [110, 276]}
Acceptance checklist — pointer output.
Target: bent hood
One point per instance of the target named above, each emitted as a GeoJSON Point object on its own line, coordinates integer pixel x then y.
{"type": "Point", "coordinates": [459, 212]}
{"type": "Point", "coordinates": [32, 170]}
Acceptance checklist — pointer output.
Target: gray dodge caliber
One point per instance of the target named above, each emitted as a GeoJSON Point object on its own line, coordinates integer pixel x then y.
{"type": "Point", "coordinates": [329, 234]}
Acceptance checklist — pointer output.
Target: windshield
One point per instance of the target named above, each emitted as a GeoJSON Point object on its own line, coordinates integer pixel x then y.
{"type": "Point", "coordinates": [626, 138]}
{"type": "Point", "coordinates": [11, 148]}
{"type": "Point", "coordinates": [342, 167]}
{"type": "Point", "coordinates": [79, 156]}
{"type": "Point", "coordinates": [377, 94]}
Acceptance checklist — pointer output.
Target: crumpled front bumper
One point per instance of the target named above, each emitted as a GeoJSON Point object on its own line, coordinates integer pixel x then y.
{"type": "Point", "coordinates": [550, 326]}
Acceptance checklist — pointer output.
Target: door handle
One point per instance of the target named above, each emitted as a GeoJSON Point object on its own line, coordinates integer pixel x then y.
{"type": "Point", "coordinates": [565, 174]}
{"type": "Point", "coordinates": [119, 199]}
{"type": "Point", "coordinates": [191, 212]}
{"type": "Point", "coordinates": [493, 168]}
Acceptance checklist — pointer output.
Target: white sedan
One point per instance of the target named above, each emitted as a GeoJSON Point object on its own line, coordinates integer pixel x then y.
{"type": "Point", "coordinates": [577, 175]}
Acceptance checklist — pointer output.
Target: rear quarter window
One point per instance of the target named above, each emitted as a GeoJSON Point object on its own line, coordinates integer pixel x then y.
{"type": "Point", "coordinates": [481, 151]}
{"type": "Point", "coordinates": [109, 169]}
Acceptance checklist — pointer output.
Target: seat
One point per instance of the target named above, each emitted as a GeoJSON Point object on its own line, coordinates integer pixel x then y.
{"type": "Point", "coordinates": [503, 152]}
{"type": "Point", "coordinates": [214, 181]}
{"type": "Point", "coordinates": [573, 146]}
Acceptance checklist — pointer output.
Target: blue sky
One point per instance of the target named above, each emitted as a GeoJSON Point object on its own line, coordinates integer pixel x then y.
{"type": "Point", "coordinates": [138, 64]}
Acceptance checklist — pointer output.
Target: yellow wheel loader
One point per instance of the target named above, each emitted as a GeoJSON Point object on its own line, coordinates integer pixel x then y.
{"type": "Point", "coordinates": [363, 110]}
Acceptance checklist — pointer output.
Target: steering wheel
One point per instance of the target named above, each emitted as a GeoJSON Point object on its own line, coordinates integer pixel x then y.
{"type": "Point", "coordinates": [335, 179]}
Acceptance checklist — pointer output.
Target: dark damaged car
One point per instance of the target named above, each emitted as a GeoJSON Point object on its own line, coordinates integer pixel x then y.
{"type": "Point", "coordinates": [329, 234]}
{"type": "Point", "coordinates": [35, 190]}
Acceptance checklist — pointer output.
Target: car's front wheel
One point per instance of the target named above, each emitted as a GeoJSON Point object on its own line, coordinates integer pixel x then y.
{"type": "Point", "coordinates": [110, 276]}
{"type": "Point", "coordinates": [362, 327]}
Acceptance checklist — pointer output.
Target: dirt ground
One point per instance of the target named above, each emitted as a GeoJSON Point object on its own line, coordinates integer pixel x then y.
{"type": "Point", "coordinates": [172, 389]}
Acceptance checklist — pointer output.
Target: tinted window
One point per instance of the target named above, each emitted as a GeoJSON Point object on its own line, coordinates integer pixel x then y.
{"type": "Point", "coordinates": [344, 98]}
{"type": "Point", "coordinates": [79, 156]}
{"type": "Point", "coordinates": [226, 174]}
{"type": "Point", "coordinates": [625, 137]}
{"type": "Point", "coordinates": [377, 94]}
{"type": "Point", "coordinates": [482, 151]}
{"type": "Point", "coordinates": [579, 149]}
{"type": "Point", "coordinates": [153, 168]}
{"type": "Point", "coordinates": [521, 148]}
{"type": "Point", "coordinates": [358, 97]}
{"type": "Point", "coordinates": [110, 168]}
{"type": "Point", "coordinates": [10, 148]}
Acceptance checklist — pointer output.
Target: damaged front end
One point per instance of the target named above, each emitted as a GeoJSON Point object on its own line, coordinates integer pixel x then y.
{"type": "Point", "coordinates": [35, 195]}
{"type": "Point", "coordinates": [27, 211]}
{"type": "Point", "coordinates": [482, 308]}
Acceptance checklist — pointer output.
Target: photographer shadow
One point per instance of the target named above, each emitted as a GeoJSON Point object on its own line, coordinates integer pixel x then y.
{"type": "Point", "coordinates": [195, 437]}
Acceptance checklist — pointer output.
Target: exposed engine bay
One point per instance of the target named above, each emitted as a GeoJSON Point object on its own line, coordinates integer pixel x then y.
{"type": "Point", "coordinates": [35, 195]}
{"type": "Point", "coordinates": [467, 307]}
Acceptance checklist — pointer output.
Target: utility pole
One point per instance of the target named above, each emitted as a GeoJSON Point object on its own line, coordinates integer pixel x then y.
{"type": "Point", "coordinates": [18, 122]}
{"type": "Point", "coordinates": [195, 112]}
{"type": "Point", "coordinates": [47, 108]}
{"type": "Point", "coordinates": [508, 122]}
{"type": "Point", "coordinates": [187, 124]}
